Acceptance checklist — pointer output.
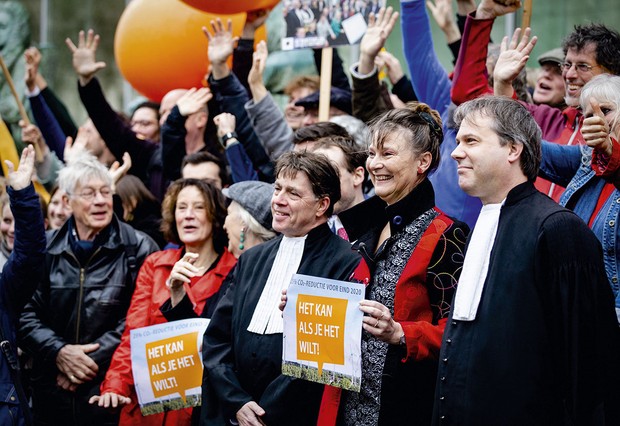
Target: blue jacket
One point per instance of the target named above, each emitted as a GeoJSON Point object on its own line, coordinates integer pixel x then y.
{"type": "Point", "coordinates": [432, 86]}
{"type": "Point", "coordinates": [567, 166]}
{"type": "Point", "coordinates": [18, 282]}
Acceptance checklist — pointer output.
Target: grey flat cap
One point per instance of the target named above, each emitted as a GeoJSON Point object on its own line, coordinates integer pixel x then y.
{"type": "Point", "coordinates": [255, 197]}
{"type": "Point", "coordinates": [555, 55]}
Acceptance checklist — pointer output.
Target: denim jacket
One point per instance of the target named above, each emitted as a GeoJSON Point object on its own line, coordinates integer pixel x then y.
{"type": "Point", "coordinates": [566, 166]}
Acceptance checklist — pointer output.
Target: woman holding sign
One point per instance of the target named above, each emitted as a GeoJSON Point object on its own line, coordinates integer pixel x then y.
{"type": "Point", "coordinates": [414, 253]}
{"type": "Point", "coordinates": [193, 215]}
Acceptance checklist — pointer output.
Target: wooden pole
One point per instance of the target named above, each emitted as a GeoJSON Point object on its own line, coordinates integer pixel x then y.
{"type": "Point", "coordinates": [20, 105]}
{"type": "Point", "coordinates": [326, 83]}
{"type": "Point", "coordinates": [9, 81]}
{"type": "Point", "coordinates": [527, 14]}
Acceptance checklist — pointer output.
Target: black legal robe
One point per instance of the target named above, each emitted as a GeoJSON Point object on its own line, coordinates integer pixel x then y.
{"type": "Point", "coordinates": [242, 366]}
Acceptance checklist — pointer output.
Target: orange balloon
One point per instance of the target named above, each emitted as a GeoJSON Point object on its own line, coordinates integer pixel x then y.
{"type": "Point", "coordinates": [230, 7]}
{"type": "Point", "coordinates": [159, 45]}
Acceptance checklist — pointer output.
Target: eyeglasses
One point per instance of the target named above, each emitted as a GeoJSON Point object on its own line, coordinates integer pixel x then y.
{"type": "Point", "coordinates": [89, 194]}
{"type": "Point", "coordinates": [144, 123]}
{"type": "Point", "coordinates": [580, 67]}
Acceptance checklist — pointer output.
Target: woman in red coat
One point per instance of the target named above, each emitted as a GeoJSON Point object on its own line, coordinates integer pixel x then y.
{"type": "Point", "coordinates": [193, 214]}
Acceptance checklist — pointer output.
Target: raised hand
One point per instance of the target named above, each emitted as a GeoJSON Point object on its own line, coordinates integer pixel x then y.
{"type": "Point", "coordinates": [221, 47]}
{"type": "Point", "coordinates": [225, 123]}
{"type": "Point", "coordinates": [465, 7]}
{"type": "Point", "coordinates": [379, 29]}
{"type": "Point", "coordinates": [32, 57]}
{"type": "Point", "coordinates": [194, 100]}
{"type": "Point", "coordinates": [118, 170]}
{"type": "Point", "coordinates": [596, 131]}
{"type": "Point", "coordinates": [253, 20]}
{"type": "Point", "coordinates": [21, 178]}
{"type": "Point", "coordinates": [512, 60]}
{"type": "Point", "coordinates": [444, 16]}
{"type": "Point", "coordinates": [84, 55]}
{"type": "Point", "coordinates": [490, 9]}
{"type": "Point", "coordinates": [392, 64]}
{"type": "Point", "coordinates": [255, 77]}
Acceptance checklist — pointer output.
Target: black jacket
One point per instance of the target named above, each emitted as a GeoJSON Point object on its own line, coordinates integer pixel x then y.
{"type": "Point", "coordinates": [79, 304]}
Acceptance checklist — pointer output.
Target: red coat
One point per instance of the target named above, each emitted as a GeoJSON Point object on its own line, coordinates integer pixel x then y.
{"type": "Point", "coordinates": [150, 293]}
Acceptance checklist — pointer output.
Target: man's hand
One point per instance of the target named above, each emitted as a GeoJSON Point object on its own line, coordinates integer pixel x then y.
{"type": "Point", "coordinates": [491, 9]}
{"type": "Point", "coordinates": [109, 400]}
{"type": "Point", "coordinates": [596, 131]}
{"type": "Point", "coordinates": [84, 59]}
{"type": "Point", "coordinates": [249, 414]}
{"type": "Point", "coordinates": [221, 47]}
{"type": "Point", "coordinates": [512, 60]}
{"type": "Point", "coordinates": [379, 29]}
{"type": "Point", "coordinates": [255, 77]}
{"type": "Point", "coordinates": [75, 364]}
{"type": "Point", "coordinates": [225, 123]}
{"type": "Point", "coordinates": [21, 178]}
{"type": "Point", "coordinates": [194, 100]}
{"type": "Point", "coordinates": [253, 20]}
{"type": "Point", "coordinates": [444, 16]}
{"type": "Point", "coordinates": [63, 382]}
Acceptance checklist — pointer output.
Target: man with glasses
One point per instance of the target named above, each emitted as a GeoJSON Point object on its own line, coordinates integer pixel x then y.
{"type": "Point", "coordinates": [73, 324]}
{"type": "Point", "coordinates": [589, 50]}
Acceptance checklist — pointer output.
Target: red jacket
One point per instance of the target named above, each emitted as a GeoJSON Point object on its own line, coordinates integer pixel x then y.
{"type": "Point", "coordinates": [150, 293]}
{"type": "Point", "coordinates": [471, 81]}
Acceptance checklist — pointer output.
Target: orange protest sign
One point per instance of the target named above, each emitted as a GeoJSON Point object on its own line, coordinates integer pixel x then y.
{"type": "Point", "coordinates": [320, 329]}
{"type": "Point", "coordinates": [174, 365]}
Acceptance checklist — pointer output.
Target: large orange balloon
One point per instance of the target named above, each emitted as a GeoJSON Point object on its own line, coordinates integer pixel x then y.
{"type": "Point", "coordinates": [159, 45]}
{"type": "Point", "coordinates": [231, 6]}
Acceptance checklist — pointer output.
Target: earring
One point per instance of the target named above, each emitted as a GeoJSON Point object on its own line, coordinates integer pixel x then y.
{"type": "Point", "coordinates": [242, 239]}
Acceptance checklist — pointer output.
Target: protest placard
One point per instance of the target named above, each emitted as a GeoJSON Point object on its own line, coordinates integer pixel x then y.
{"type": "Point", "coordinates": [323, 331]}
{"type": "Point", "coordinates": [166, 361]}
{"type": "Point", "coordinates": [319, 24]}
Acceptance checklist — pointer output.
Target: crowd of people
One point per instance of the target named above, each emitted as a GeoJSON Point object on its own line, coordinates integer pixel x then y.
{"type": "Point", "coordinates": [480, 212]}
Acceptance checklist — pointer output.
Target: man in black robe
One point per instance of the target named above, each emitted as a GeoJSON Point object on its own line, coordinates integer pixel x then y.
{"type": "Point", "coordinates": [243, 343]}
{"type": "Point", "coordinates": [532, 338]}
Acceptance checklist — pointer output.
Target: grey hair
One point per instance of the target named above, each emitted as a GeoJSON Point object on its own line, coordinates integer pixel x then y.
{"type": "Point", "coordinates": [253, 226]}
{"type": "Point", "coordinates": [512, 122]}
{"type": "Point", "coordinates": [604, 88]}
{"type": "Point", "coordinates": [357, 129]}
{"type": "Point", "coordinates": [83, 168]}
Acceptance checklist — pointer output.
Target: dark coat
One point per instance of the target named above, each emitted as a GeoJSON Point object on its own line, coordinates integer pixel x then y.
{"type": "Point", "coordinates": [242, 366]}
{"type": "Point", "coordinates": [78, 304]}
{"type": "Point", "coordinates": [542, 349]}
{"type": "Point", "coordinates": [20, 275]}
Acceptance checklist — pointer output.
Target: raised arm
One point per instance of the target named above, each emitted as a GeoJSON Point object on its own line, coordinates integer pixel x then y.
{"type": "Point", "coordinates": [117, 135]}
{"type": "Point", "coordinates": [241, 167]}
{"type": "Point", "coordinates": [470, 79]}
{"type": "Point", "coordinates": [367, 99]}
{"type": "Point", "coordinates": [232, 97]}
{"type": "Point", "coordinates": [265, 116]}
{"type": "Point", "coordinates": [430, 80]}
{"type": "Point", "coordinates": [25, 267]}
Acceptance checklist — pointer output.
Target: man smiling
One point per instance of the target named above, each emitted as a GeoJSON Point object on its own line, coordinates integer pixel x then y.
{"type": "Point", "coordinates": [243, 343]}
{"type": "Point", "coordinates": [75, 320]}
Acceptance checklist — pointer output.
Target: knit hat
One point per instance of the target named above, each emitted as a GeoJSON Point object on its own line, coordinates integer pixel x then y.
{"type": "Point", "coordinates": [555, 55]}
{"type": "Point", "coordinates": [255, 197]}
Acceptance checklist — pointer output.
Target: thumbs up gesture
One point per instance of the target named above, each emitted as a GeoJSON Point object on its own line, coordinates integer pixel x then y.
{"type": "Point", "coordinates": [595, 130]}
